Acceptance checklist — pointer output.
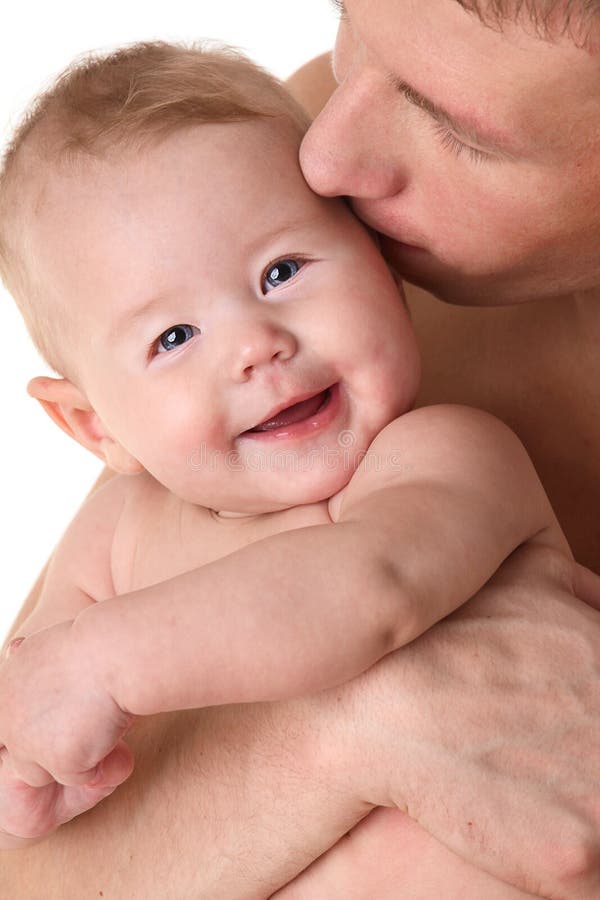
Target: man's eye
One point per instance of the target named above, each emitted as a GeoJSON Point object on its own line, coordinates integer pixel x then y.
{"type": "Point", "coordinates": [448, 140]}
{"type": "Point", "coordinates": [452, 143]}
{"type": "Point", "coordinates": [175, 336]}
{"type": "Point", "coordinates": [280, 272]}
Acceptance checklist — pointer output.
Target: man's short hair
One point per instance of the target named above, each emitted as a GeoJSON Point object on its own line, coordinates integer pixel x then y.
{"type": "Point", "coordinates": [551, 19]}
{"type": "Point", "coordinates": [123, 100]}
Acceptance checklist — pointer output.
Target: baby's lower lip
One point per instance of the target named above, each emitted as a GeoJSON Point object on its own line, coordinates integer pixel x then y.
{"type": "Point", "coordinates": [313, 422]}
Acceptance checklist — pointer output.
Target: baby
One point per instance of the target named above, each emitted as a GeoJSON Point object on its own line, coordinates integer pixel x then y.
{"type": "Point", "coordinates": [234, 347]}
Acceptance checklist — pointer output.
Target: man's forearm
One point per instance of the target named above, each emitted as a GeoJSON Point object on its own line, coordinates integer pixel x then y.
{"type": "Point", "coordinates": [487, 730]}
{"type": "Point", "coordinates": [294, 613]}
{"type": "Point", "coordinates": [230, 802]}
{"type": "Point", "coordinates": [388, 856]}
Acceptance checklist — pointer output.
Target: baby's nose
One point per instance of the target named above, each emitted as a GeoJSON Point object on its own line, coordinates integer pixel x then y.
{"type": "Point", "coordinates": [259, 343]}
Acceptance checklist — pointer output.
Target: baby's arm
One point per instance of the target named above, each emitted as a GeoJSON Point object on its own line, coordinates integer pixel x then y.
{"type": "Point", "coordinates": [443, 497]}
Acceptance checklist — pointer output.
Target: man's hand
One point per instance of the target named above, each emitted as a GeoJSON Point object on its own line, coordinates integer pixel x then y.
{"type": "Point", "coordinates": [57, 720]}
{"type": "Point", "coordinates": [486, 730]}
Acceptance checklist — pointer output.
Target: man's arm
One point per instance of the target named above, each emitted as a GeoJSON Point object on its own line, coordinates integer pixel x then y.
{"type": "Point", "coordinates": [228, 802]}
{"type": "Point", "coordinates": [388, 856]}
{"type": "Point", "coordinates": [235, 801]}
{"type": "Point", "coordinates": [488, 727]}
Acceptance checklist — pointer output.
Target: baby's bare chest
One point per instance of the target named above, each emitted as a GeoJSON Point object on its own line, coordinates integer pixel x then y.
{"type": "Point", "coordinates": [160, 537]}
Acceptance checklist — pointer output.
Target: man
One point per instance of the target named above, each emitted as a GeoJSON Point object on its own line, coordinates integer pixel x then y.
{"type": "Point", "coordinates": [473, 147]}
{"type": "Point", "coordinates": [468, 136]}
{"type": "Point", "coordinates": [498, 706]}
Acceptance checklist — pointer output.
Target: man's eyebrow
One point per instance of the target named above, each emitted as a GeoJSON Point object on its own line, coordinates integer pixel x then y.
{"type": "Point", "coordinates": [488, 139]}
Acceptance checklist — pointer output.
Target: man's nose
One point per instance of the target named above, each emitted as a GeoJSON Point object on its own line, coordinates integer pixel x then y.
{"type": "Point", "coordinates": [350, 149]}
{"type": "Point", "coordinates": [257, 343]}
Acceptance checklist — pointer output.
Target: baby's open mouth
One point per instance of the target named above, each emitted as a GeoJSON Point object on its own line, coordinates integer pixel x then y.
{"type": "Point", "coordinates": [297, 412]}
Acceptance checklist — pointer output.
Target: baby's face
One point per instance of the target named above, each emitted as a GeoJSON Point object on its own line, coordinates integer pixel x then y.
{"type": "Point", "coordinates": [241, 337]}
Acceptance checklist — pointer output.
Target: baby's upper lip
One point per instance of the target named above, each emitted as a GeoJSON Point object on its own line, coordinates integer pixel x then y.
{"type": "Point", "coordinates": [295, 398]}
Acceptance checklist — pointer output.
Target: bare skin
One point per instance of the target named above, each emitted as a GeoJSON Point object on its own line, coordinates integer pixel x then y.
{"type": "Point", "coordinates": [483, 357]}
{"type": "Point", "coordinates": [388, 856]}
{"type": "Point", "coordinates": [464, 350]}
{"type": "Point", "coordinates": [103, 841]}
{"type": "Point", "coordinates": [320, 764]}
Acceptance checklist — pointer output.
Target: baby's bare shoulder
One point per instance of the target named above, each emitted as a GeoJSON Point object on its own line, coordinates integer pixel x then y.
{"type": "Point", "coordinates": [455, 445]}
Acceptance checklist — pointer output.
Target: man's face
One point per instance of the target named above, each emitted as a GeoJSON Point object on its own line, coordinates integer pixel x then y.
{"type": "Point", "coordinates": [475, 152]}
{"type": "Point", "coordinates": [259, 296]}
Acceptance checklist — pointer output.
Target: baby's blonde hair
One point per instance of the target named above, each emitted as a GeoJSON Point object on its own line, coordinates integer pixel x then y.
{"type": "Point", "coordinates": [126, 99]}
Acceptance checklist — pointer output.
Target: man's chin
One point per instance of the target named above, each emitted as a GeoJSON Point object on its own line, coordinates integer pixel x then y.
{"type": "Point", "coordinates": [419, 267]}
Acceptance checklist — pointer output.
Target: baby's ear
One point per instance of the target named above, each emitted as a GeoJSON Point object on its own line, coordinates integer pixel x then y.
{"type": "Point", "coordinates": [70, 409]}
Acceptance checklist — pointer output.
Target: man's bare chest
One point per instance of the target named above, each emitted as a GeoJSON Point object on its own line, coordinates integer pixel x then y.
{"type": "Point", "coordinates": [538, 371]}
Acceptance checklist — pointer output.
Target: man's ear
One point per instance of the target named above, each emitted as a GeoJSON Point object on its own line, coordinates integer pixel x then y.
{"type": "Point", "coordinates": [70, 409]}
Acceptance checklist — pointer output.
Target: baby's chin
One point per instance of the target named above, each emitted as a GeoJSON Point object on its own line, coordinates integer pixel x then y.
{"type": "Point", "coordinates": [304, 494]}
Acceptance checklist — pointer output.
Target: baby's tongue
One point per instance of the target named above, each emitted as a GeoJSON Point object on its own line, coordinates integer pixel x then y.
{"type": "Point", "coordinates": [293, 414]}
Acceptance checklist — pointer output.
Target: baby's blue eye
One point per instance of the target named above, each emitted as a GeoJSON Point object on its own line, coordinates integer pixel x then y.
{"type": "Point", "coordinates": [280, 272]}
{"type": "Point", "coordinates": [174, 337]}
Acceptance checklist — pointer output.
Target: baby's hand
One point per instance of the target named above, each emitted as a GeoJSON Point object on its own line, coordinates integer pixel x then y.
{"type": "Point", "coordinates": [28, 814]}
{"type": "Point", "coordinates": [57, 719]}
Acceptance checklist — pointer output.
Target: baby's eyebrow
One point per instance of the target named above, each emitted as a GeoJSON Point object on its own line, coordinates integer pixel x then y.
{"type": "Point", "coordinates": [134, 315]}
{"type": "Point", "coordinates": [292, 227]}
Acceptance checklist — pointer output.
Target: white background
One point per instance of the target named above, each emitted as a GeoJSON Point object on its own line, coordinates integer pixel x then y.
{"type": "Point", "coordinates": [44, 475]}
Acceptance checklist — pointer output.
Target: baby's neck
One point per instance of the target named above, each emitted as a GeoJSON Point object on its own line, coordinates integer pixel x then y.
{"type": "Point", "coordinates": [224, 514]}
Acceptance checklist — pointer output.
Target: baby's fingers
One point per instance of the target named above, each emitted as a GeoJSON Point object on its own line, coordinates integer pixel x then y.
{"type": "Point", "coordinates": [30, 773]}
{"type": "Point", "coordinates": [114, 768]}
{"type": "Point", "coordinates": [37, 777]}
{"type": "Point", "coordinates": [32, 813]}
{"type": "Point", "coordinates": [73, 801]}
{"type": "Point", "coordinates": [29, 814]}
{"type": "Point", "coordinates": [110, 772]}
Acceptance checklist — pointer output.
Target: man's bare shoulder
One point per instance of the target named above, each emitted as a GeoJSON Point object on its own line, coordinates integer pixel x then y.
{"type": "Point", "coordinates": [313, 84]}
